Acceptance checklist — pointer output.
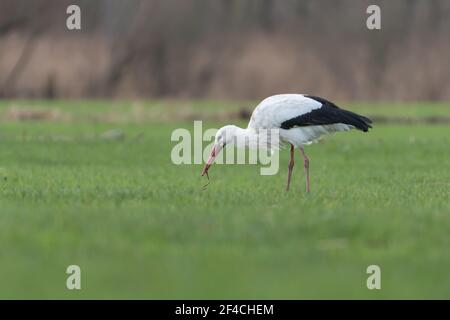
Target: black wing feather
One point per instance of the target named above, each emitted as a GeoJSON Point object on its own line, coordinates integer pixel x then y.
{"type": "Point", "coordinates": [329, 113]}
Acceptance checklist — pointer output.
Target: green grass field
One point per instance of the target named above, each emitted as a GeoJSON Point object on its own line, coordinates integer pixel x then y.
{"type": "Point", "coordinates": [141, 227]}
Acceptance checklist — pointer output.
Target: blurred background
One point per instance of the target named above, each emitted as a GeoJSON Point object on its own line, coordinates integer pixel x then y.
{"type": "Point", "coordinates": [86, 177]}
{"type": "Point", "coordinates": [225, 49]}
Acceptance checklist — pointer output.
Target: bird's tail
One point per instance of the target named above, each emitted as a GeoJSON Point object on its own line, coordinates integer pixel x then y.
{"type": "Point", "coordinates": [359, 122]}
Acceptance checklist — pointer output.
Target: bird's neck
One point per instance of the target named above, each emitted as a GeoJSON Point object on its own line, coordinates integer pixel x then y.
{"type": "Point", "coordinates": [246, 137]}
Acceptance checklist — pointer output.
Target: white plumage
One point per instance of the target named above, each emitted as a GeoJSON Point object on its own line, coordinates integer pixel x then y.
{"type": "Point", "coordinates": [299, 119]}
{"type": "Point", "coordinates": [275, 110]}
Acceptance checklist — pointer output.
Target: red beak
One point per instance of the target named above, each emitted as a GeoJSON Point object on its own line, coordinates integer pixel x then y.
{"type": "Point", "coordinates": [210, 161]}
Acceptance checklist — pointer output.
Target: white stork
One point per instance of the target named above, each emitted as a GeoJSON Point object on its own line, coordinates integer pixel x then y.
{"type": "Point", "coordinates": [300, 119]}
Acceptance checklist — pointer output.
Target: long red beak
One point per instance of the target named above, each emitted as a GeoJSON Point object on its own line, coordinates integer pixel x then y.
{"type": "Point", "coordinates": [210, 161]}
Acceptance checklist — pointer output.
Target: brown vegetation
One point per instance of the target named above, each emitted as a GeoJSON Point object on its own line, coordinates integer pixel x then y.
{"type": "Point", "coordinates": [225, 49]}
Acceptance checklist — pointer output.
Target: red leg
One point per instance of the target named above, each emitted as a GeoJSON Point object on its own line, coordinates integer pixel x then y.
{"type": "Point", "coordinates": [306, 165]}
{"type": "Point", "coordinates": [290, 167]}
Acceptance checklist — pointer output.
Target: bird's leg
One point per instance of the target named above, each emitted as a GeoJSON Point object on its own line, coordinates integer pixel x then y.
{"type": "Point", "coordinates": [306, 165]}
{"type": "Point", "coordinates": [290, 167]}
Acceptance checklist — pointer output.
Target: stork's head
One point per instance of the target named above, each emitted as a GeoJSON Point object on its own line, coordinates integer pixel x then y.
{"type": "Point", "coordinates": [224, 136]}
